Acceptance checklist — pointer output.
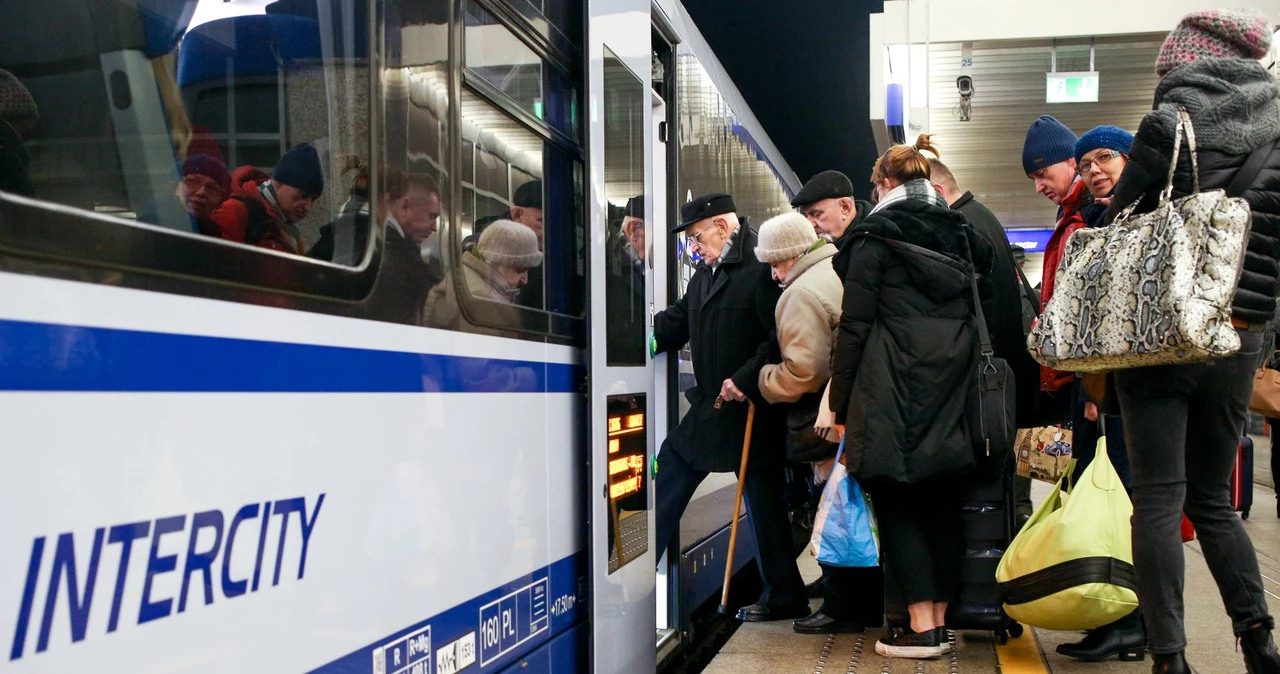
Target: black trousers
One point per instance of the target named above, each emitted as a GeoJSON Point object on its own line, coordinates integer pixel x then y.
{"type": "Point", "coordinates": [921, 537]}
{"type": "Point", "coordinates": [764, 493]}
{"type": "Point", "coordinates": [853, 595]}
{"type": "Point", "coordinates": [1183, 423]}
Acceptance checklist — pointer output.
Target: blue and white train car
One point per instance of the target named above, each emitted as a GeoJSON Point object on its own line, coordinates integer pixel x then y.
{"type": "Point", "coordinates": [216, 457]}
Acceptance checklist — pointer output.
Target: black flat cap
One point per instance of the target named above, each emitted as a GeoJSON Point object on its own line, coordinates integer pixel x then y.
{"type": "Point", "coordinates": [528, 195]}
{"type": "Point", "coordinates": [635, 207]}
{"type": "Point", "coordinates": [825, 185]}
{"type": "Point", "coordinates": [703, 207]}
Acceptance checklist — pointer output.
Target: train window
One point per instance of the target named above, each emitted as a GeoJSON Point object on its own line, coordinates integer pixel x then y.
{"type": "Point", "coordinates": [199, 116]}
{"type": "Point", "coordinates": [503, 62]}
{"type": "Point", "coordinates": [626, 320]}
{"type": "Point", "coordinates": [528, 273]}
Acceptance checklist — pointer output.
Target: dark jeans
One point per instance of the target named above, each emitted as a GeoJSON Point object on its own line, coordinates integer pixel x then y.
{"type": "Point", "coordinates": [764, 493]}
{"type": "Point", "coordinates": [921, 538]}
{"type": "Point", "coordinates": [1183, 425]}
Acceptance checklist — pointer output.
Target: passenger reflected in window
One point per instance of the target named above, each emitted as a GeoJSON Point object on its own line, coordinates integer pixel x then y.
{"type": "Point", "coordinates": [264, 210]}
{"type": "Point", "coordinates": [344, 240]}
{"type": "Point", "coordinates": [493, 272]}
{"type": "Point", "coordinates": [624, 287]}
{"type": "Point", "coordinates": [412, 216]}
{"type": "Point", "coordinates": [204, 186]}
{"type": "Point", "coordinates": [18, 116]}
{"type": "Point", "coordinates": [526, 209]}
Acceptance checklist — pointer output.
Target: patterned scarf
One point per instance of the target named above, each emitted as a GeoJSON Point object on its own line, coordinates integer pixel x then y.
{"type": "Point", "coordinates": [920, 189]}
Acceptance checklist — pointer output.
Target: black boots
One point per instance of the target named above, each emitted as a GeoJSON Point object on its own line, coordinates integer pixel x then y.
{"type": "Point", "coordinates": [1260, 656]}
{"type": "Point", "coordinates": [1124, 638]}
{"type": "Point", "coordinates": [1174, 663]}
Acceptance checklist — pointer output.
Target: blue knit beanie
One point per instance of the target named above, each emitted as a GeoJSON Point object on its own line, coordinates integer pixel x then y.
{"type": "Point", "coordinates": [300, 168]}
{"type": "Point", "coordinates": [1110, 137]}
{"type": "Point", "coordinates": [1048, 142]}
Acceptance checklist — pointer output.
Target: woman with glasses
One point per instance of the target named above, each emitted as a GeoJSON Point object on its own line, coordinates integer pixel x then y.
{"type": "Point", "coordinates": [1101, 155]}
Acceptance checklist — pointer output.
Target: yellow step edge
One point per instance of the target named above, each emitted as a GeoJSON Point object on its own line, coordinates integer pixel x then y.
{"type": "Point", "coordinates": [1022, 655]}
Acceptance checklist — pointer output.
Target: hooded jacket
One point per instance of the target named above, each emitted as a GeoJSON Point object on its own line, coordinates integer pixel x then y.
{"type": "Point", "coordinates": [807, 315]}
{"type": "Point", "coordinates": [1232, 104]}
{"type": "Point", "coordinates": [907, 348]}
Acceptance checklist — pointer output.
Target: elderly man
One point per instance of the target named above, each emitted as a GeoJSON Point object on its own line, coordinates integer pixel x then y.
{"type": "Point", "coordinates": [727, 318]}
{"type": "Point", "coordinates": [827, 201]}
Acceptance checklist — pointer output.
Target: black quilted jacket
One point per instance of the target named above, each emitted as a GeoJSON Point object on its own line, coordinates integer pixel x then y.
{"type": "Point", "coordinates": [1232, 103]}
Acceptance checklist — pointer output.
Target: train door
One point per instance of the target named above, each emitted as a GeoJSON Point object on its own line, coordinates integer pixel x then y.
{"type": "Point", "coordinates": [620, 278]}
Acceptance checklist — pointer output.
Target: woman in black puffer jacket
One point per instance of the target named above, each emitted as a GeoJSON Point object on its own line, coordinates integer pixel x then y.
{"type": "Point", "coordinates": [904, 360]}
{"type": "Point", "coordinates": [1183, 422]}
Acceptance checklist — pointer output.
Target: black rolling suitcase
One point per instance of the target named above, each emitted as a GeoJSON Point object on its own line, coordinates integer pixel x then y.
{"type": "Point", "coordinates": [987, 516]}
{"type": "Point", "coordinates": [1242, 478]}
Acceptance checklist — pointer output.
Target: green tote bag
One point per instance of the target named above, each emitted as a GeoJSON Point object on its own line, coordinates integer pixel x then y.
{"type": "Point", "coordinates": [1071, 566]}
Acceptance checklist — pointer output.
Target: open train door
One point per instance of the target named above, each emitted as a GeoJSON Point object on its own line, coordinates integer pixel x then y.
{"type": "Point", "coordinates": [621, 282]}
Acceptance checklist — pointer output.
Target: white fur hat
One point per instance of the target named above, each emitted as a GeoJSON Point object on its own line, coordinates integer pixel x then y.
{"type": "Point", "coordinates": [509, 244]}
{"type": "Point", "coordinates": [784, 237]}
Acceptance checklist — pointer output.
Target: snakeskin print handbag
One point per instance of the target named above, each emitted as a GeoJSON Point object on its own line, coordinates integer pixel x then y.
{"type": "Point", "coordinates": [1151, 289]}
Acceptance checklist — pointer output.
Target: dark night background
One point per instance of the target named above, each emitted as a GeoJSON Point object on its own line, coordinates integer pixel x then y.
{"type": "Point", "coordinates": [802, 67]}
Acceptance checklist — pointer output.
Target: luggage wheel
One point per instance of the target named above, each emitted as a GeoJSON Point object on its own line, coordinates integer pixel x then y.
{"type": "Point", "coordinates": [1015, 630]}
{"type": "Point", "coordinates": [1244, 514]}
{"type": "Point", "coordinates": [1002, 637]}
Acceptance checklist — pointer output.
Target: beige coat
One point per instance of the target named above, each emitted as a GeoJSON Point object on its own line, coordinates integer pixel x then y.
{"type": "Point", "coordinates": [482, 282]}
{"type": "Point", "coordinates": [807, 315]}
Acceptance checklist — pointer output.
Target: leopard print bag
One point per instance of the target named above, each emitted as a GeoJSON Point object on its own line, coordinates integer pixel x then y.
{"type": "Point", "coordinates": [1150, 289]}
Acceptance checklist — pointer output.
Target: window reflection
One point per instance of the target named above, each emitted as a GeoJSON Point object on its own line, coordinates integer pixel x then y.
{"type": "Point", "coordinates": [201, 116]}
{"type": "Point", "coordinates": [626, 316]}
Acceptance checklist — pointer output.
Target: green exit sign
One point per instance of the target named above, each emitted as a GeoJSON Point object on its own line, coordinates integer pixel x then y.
{"type": "Point", "coordinates": [1071, 87]}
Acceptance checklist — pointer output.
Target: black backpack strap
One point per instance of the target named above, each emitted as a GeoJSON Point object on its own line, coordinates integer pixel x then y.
{"type": "Point", "coordinates": [1249, 172]}
{"type": "Point", "coordinates": [259, 220]}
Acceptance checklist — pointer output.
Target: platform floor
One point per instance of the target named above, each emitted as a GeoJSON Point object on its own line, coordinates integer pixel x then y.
{"type": "Point", "coordinates": [774, 648]}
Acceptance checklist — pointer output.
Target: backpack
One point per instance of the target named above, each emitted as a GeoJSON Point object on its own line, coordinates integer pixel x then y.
{"type": "Point", "coordinates": [259, 221]}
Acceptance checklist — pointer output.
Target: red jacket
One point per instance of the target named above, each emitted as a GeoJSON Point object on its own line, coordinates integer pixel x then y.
{"type": "Point", "coordinates": [1072, 219]}
{"type": "Point", "coordinates": [233, 216]}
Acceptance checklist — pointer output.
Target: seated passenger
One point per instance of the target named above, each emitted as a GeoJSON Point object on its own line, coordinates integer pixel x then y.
{"type": "Point", "coordinates": [494, 271]}
{"type": "Point", "coordinates": [262, 210]}
{"type": "Point", "coordinates": [203, 188]}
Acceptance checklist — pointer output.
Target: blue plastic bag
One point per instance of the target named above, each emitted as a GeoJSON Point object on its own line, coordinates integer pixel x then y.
{"type": "Point", "coordinates": [844, 531]}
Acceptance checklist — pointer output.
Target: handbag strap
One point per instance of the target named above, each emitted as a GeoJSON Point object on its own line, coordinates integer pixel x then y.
{"type": "Point", "coordinates": [983, 336]}
{"type": "Point", "coordinates": [1182, 129]}
{"type": "Point", "coordinates": [1247, 173]}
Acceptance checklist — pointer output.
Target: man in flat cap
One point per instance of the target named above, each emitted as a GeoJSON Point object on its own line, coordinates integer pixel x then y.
{"type": "Point", "coordinates": [726, 316]}
{"type": "Point", "coordinates": [827, 200]}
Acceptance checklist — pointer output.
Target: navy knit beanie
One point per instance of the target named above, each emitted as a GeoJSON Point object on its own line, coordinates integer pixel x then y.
{"type": "Point", "coordinates": [300, 168]}
{"type": "Point", "coordinates": [1110, 137]}
{"type": "Point", "coordinates": [1048, 142]}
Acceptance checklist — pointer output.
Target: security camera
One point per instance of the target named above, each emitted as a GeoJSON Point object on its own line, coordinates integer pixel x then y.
{"type": "Point", "coordinates": [964, 108]}
{"type": "Point", "coordinates": [965, 84]}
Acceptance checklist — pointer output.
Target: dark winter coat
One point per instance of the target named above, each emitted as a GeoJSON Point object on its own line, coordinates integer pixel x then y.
{"type": "Point", "coordinates": [726, 317]}
{"type": "Point", "coordinates": [907, 348]}
{"type": "Point", "coordinates": [1232, 104]}
{"type": "Point", "coordinates": [404, 279]}
{"type": "Point", "coordinates": [1004, 310]}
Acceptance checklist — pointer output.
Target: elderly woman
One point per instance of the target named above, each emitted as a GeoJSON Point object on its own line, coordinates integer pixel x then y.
{"type": "Point", "coordinates": [1183, 422]}
{"type": "Point", "coordinates": [806, 315]}
{"type": "Point", "coordinates": [494, 271]}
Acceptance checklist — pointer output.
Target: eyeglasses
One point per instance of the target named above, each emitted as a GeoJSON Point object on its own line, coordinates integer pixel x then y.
{"type": "Point", "coordinates": [696, 238]}
{"type": "Point", "coordinates": [1101, 160]}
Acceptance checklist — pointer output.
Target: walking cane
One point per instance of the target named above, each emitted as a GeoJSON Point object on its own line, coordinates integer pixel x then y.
{"type": "Point", "coordinates": [737, 505]}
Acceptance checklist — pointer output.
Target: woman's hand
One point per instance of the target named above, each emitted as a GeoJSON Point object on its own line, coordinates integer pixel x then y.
{"type": "Point", "coordinates": [1091, 411]}
{"type": "Point", "coordinates": [730, 391]}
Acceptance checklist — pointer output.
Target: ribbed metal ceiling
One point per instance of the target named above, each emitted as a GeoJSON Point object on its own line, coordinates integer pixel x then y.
{"type": "Point", "coordinates": [1009, 86]}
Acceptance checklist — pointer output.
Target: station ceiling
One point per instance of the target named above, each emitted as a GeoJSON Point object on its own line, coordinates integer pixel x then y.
{"type": "Point", "coordinates": [802, 68]}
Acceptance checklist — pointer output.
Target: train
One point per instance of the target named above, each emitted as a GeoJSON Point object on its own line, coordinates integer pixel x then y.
{"type": "Point", "coordinates": [223, 458]}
